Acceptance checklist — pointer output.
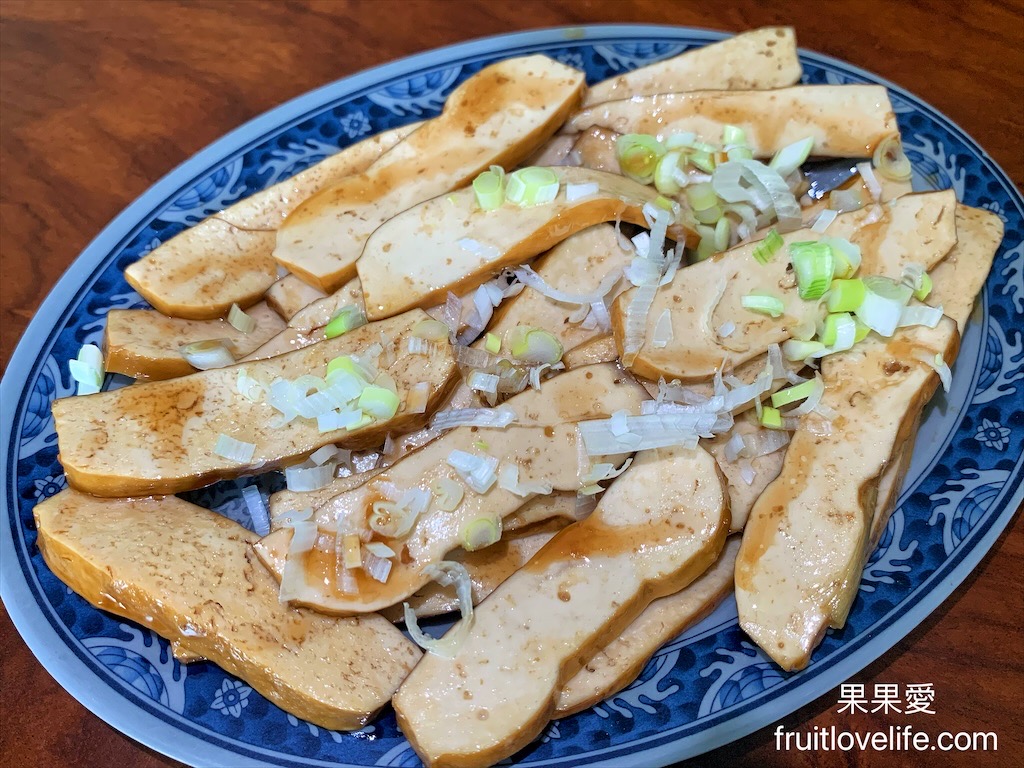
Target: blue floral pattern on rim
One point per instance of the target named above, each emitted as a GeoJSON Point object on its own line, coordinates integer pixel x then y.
{"type": "Point", "coordinates": [712, 681]}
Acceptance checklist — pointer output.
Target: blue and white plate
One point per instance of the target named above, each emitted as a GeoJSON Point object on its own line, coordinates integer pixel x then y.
{"type": "Point", "coordinates": [706, 688]}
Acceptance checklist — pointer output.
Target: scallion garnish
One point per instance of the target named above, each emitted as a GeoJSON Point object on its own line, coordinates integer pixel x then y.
{"type": "Point", "coordinates": [531, 186]}
{"type": "Point", "coordinates": [792, 394]}
{"type": "Point", "coordinates": [767, 248]}
{"type": "Point", "coordinates": [638, 156]}
{"type": "Point", "coordinates": [489, 189]}
{"type": "Point", "coordinates": [764, 303]}
{"type": "Point", "coordinates": [845, 295]}
{"type": "Point", "coordinates": [814, 266]}
{"type": "Point", "coordinates": [344, 320]}
{"type": "Point", "coordinates": [771, 417]}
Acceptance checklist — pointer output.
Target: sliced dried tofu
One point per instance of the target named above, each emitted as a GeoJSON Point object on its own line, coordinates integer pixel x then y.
{"type": "Point", "coordinates": [226, 259]}
{"type": "Point", "coordinates": [564, 507]}
{"type": "Point", "coordinates": [805, 542]}
{"type": "Point", "coordinates": [755, 60]}
{"type": "Point", "coordinates": [619, 663]}
{"type": "Point", "coordinates": [656, 529]}
{"type": "Point", "coordinates": [145, 344]}
{"type": "Point", "coordinates": [544, 435]}
{"type": "Point", "coordinates": [290, 294]}
{"type": "Point", "coordinates": [914, 228]}
{"type": "Point", "coordinates": [497, 117]}
{"type": "Point", "coordinates": [191, 576]}
{"type": "Point", "coordinates": [843, 120]}
{"type": "Point", "coordinates": [744, 491]}
{"type": "Point", "coordinates": [159, 437]}
{"type": "Point", "coordinates": [318, 313]}
{"type": "Point", "coordinates": [577, 265]}
{"type": "Point", "coordinates": [451, 244]}
{"type": "Point", "coordinates": [487, 568]}
{"type": "Point", "coordinates": [957, 280]}
{"type": "Point", "coordinates": [307, 325]}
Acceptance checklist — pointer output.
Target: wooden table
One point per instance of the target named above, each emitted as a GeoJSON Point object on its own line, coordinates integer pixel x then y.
{"type": "Point", "coordinates": [101, 99]}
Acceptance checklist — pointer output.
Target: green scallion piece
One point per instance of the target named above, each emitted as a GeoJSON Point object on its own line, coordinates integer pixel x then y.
{"type": "Point", "coordinates": [771, 418]}
{"type": "Point", "coordinates": [792, 394]}
{"type": "Point", "coordinates": [531, 186]}
{"type": "Point", "coordinates": [861, 333]}
{"type": "Point", "coordinates": [764, 303]}
{"type": "Point", "coordinates": [703, 160]}
{"type": "Point", "coordinates": [926, 287]}
{"type": "Point", "coordinates": [488, 188]}
{"type": "Point", "coordinates": [733, 134]}
{"type": "Point", "coordinates": [344, 320]}
{"type": "Point", "coordinates": [638, 155]}
{"type": "Point", "coordinates": [722, 231]}
{"type": "Point", "coordinates": [701, 197]}
{"type": "Point", "coordinates": [845, 295]}
{"type": "Point", "coordinates": [664, 174]}
{"type": "Point", "coordinates": [814, 266]}
{"type": "Point", "coordinates": [767, 248]}
{"type": "Point", "coordinates": [492, 343]}
{"type": "Point", "coordinates": [795, 350]}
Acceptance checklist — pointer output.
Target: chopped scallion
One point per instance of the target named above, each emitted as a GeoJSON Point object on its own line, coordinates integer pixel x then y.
{"type": "Point", "coordinates": [764, 303]}
{"type": "Point", "coordinates": [638, 156]}
{"type": "Point", "coordinates": [814, 266]}
{"type": "Point", "coordinates": [531, 186]}
{"type": "Point", "coordinates": [845, 295]}
{"type": "Point", "coordinates": [767, 248]}
{"type": "Point", "coordinates": [771, 417]}
{"type": "Point", "coordinates": [488, 189]}
{"type": "Point", "coordinates": [792, 394]}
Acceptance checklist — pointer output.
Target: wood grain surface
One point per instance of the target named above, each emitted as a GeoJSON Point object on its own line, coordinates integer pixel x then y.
{"type": "Point", "coordinates": [101, 99]}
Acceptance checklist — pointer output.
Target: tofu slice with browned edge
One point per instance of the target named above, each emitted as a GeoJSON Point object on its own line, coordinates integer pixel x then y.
{"type": "Point", "coordinates": [226, 259]}
{"type": "Point", "coordinates": [619, 663]}
{"type": "Point", "coordinates": [290, 294]}
{"type": "Point", "coordinates": [451, 244]}
{"type": "Point", "coordinates": [190, 575]}
{"type": "Point", "coordinates": [159, 437]}
{"type": "Point", "coordinates": [656, 529]}
{"type": "Point", "coordinates": [144, 344]}
{"type": "Point", "coordinates": [756, 60]}
{"type": "Point", "coordinates": [957, 281]}
{"type": "Point", "coordinates": [498, 116]}
{"type": "Point", "coordinates": [843, 120]}
{"type": "Point", "coordinates": [805, 542]}
{"type": "Point", "coordinates": [916, 228]}
{"type": "Point", "coordinates": [543, 443]}
{"type": "Point", "coordinates": [487, 568]}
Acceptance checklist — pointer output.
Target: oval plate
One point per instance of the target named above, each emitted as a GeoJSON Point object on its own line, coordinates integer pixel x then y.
{"type": "Point", "coordinates": [702, 690]}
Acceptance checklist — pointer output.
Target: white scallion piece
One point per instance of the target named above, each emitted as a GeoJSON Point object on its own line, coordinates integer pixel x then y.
{"type": "Point", "coordinates": [445, 573]}
{"type": "Point", "coordinates": [206, 355]}
{"type": "Point", "coordinates": [478, 472]}
{"type": "Point", "coordinates": [574, 192]}
{"type": "Point", "coordinates": [314, 478]}
{"type": "Point", "coordinates": [257, 510]}
{"type": "Point", "coordinates": [240, 321]}
{"type": "Point", "coordinates": [508, 480]}
{"type": "Point", "coordinates": [499, 418]}
{"type": "Point", "coordinates": [87, 369]}
{"type": "Point", "coordinates": [479, 381]}
{"type": "Point", "coordinates": [662, 335]}
{"type": "Point", "coordinates": [419, 398]}
{"type": "Point", "coordinates": [825, 218]}
{"type": "Point", "coordinates": [234, 450]}
{"type": "Point", "coordinates": [293, 576]}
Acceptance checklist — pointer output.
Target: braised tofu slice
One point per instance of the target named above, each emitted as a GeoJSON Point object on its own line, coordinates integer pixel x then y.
{"type": "Point", "coordinates": [914, 228]}
{"type": "Point", "coordinates": [290, 294]}
{"type": "Point", "coordinates": [191, 576]}
{"type": "Point", "coordinates": [619, 663]}
{"type": "Point", "coordinates": [497, 117]}
{"type": "Point", "coordinates": [806, 540]}
{"type": "Point", "coordinates": [449, 243]}
{"type": "Point", "coordinates": [756, 60]}
{"type": "Point", "coordinates": [543, 446]}
{"type": "Point", "coordinates": [843, 120]}
{"type": "Point", "coordinates": [145, 344]}
{"type": "Point", "coordinates": [656, 529]}
{"type": "Point", "coordinates": [226, 259]}
{"type": "Point", "coordinates": [160, 437]}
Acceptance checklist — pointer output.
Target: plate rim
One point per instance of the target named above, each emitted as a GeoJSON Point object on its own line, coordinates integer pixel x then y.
{"type": "Point", "coordinates": [148, 729]}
